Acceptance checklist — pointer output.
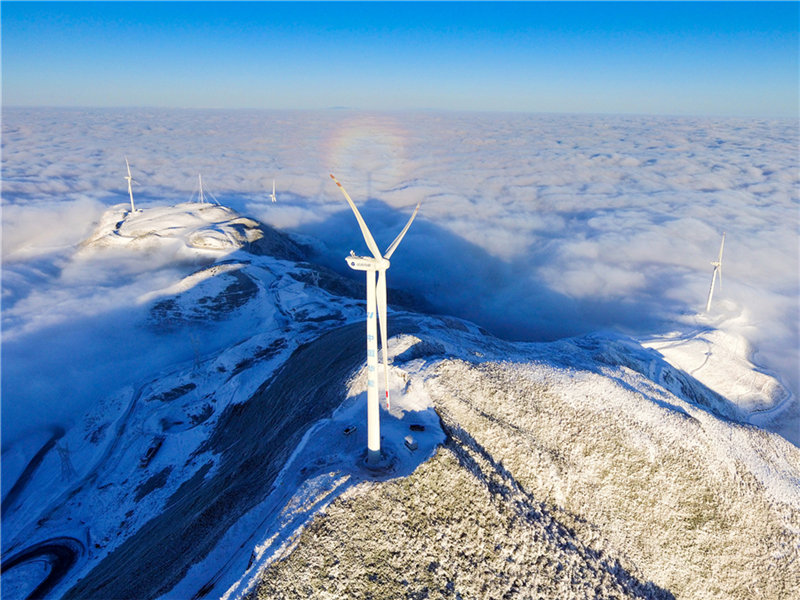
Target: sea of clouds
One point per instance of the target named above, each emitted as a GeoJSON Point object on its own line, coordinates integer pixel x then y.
{"type": "Point", "coordinates": [533, 226]}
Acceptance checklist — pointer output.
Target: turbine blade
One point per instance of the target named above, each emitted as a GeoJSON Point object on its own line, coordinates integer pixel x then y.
{"type": "Point", "coordinates": [714, 273]}
{"type": "Point", "coordinates": [380, 296]}
{"type": "Point", "coordinates": [721, 246]}
{"type": "Point", "coordinates": [719, 269]}
{"type": "Point", "coordinates": [128, 166]}
{"type": "Point", "coordinates": [393, 246]}
{"type": "Point", "coordinates": [373, 247]}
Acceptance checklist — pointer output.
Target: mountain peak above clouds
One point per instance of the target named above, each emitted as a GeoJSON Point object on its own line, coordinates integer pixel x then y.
{"type": "Point", "coordinates": [204, 230]}
{"type": "Point", "coordinates": [230, 462]}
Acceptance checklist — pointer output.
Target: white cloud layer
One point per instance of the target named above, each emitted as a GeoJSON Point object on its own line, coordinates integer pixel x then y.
{"type": "Point", "coordinates": [534, 226]}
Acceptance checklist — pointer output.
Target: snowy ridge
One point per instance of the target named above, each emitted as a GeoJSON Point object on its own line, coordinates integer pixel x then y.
{"type": "Point", "coordinates": [721, 358]}
{"type": "Point", "coordinates": [229, 461]}
{"type": "Point", "coordinates": [198, 226]}
{"type": "Point", "coordinates": [676, 501]}
{"type": "Point", "coordinates": [127, 459]}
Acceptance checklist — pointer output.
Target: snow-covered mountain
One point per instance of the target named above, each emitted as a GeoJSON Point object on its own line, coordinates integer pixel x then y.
{"type": "Point", "coordinates": [226, 458]}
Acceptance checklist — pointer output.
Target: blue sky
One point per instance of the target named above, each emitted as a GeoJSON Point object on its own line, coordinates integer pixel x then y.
{"type": "Point", "coordinates": [678, 58]}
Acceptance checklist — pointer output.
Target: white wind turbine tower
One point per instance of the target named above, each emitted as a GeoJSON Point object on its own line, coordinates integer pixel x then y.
{"type": "Point", "coordinates": [200, 196]}
{"type": "Point", "coordinates": [717, 269]}
{"type": "Point", "coordinates": [272, 196]}
{"type": "Point", "coordinates": [376, 295]}
{"type": "Point", "coordinates": [130, 181]}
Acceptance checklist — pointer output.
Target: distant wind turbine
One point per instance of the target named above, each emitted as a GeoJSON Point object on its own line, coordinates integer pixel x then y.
{"type": "Point", "coordinates": [201, 195]}
{"type": "Point", "coordinates": [130, 181]}
{"type": "Point", "coordinates": [274, 199]}
{"type": "Point", "coordinates": [376, 295]}
{"type": "Point", "coordinates": [717, 270]}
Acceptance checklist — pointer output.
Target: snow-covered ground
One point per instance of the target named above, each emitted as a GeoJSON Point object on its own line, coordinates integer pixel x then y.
{"type": "Point", "coordinates": [717, 352]}
{"type": "Point", "coordinates": [584, 468]}
{"type": "Point", "coordinates": [245, 300]}
{"type": "Point", "coordinates": [234, 449]}
{"type": "Point", "coordinates": [185, 369]}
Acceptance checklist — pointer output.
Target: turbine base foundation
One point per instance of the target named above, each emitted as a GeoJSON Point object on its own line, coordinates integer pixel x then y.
{"type": "Point", "coordinates": [383, 464]}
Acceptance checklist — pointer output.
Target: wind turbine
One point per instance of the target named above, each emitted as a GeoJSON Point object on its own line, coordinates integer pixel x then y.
{"type": "Point", "coordinates": [376, 296]}
{"type": "Point", "coordinates": [130, 181]}
{"type": "Point", "coordinates": [717, 269]}
{"type": "Point", "coordinates": [274, 199]}
{"type": "Point", "coordinates": [201, 194]}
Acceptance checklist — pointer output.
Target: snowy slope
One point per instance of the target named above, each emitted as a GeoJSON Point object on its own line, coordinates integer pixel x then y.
{"type": "Point", "coordinates": [717, 353]}
{"type": "Point", "coordinates": [585, 467]}
{"type": "Point", "coordinates": [189, 425]}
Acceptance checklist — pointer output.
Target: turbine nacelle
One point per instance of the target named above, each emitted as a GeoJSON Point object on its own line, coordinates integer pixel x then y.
{"type": "Point", "coordinates": [366, 263]}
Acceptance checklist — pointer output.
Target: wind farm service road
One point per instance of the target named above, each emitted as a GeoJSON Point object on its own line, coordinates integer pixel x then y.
{"type": "Point", "coordinates": [60, 554]}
